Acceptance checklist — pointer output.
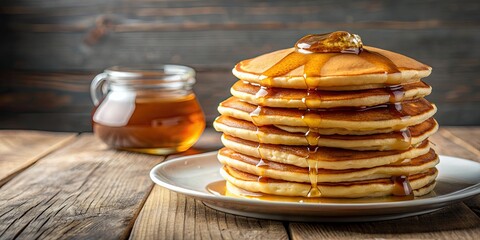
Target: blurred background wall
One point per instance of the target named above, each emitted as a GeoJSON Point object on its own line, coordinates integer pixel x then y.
{"type": "Point", "coordinates": [51, 49]}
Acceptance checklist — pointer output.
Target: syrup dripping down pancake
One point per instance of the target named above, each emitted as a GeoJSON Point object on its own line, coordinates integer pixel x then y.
{"type": "Point", "coordinates": [395, 116]}
{"type": "Point", "coordinates": [371, 68]}
{"type": "Point", "coordinates": [274, 170]}
{"type": "Point", "coordinates": [273, 135]}
{"type": "Point", "coordinates": [295, 98]}
{"type": "Point", "coordinates": [357, 189]}
{"type": "Point", "coordinates": [328, 158]}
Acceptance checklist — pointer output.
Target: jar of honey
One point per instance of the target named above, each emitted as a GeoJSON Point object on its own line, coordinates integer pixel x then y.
{"type": "Point", "coordinates": [151, 110]}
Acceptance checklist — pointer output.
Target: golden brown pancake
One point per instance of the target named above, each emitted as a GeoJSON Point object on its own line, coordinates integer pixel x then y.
{"type": "Point", "coordinates": [367, 188]}
{"type": "Point", "coordinates": [272, 135]}
{"type": "Point", "coordinates": [328, 158]}
{"type": "Point", "coordinates": [291, 173]}
{"type": "Point", "coordinates": [233, 191]}
{"type": "Point", "coordinates": [392, 116]}
{"type": "Point", "coordinates": [373, 67]}
{"type": "Point", "coordinates": [296, 98]}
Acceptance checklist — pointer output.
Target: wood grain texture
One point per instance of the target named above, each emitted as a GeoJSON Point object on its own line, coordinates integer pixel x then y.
{"type": "Point", "coordinates": [20, 149]}
{"type": "Point", "coordinates": [453, 222]}
{"type": "Point", "coordinates": [84, 190]}
{"type": "Point", "coordinates": [168, 215]}
{"type": "Point", "coordinates": [451, 143]}
{"type": "Point", "coordinates": [470, 137]}
{"type": "Point", "coordinates": [54, 48]}
{"type": "Point", "coordinates": [73, 122]}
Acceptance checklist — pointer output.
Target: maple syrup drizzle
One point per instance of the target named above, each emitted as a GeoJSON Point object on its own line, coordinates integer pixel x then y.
{"type": "Point", "coordinates": [255, 114]}
{"type": "Point", "coordinates": [312, 138]}
{"type": "Point", "coordinates": [401, 186]}
{"type": "Point", "coordinates": [261, 94]}
{"type": "Point", "coordinates": [397, 93]}
{"type": "Point", "coordinates": [329, 45]}
{"type": "Point", "coordinates": [404, 139]}
{"type": "Point", "coordinates": [396, 110]}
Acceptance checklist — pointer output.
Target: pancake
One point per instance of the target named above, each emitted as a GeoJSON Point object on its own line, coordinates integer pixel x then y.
{"type": "Point", "coordinates": [274, 170]}
{"type": "Point", "coordinates": [368, 188]}
{"type": "Point", "coordinates": [328, 158]}
{"type": "Point", "coordinates": [233, 191]}
{"type": "Point", "coordinates": [391, 116]}
{"type": "Point", "coordinates": [332, 131]}
{"type": "Point", "coordinates": [295, 98]}
{"type": "Point", "coordinates": [269, 134]}
{"type": "Point", "coordinates": [371, 68]}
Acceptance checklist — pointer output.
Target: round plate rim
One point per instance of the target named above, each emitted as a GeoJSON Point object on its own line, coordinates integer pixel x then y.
{"type": "Point", "coordinates": [450, 197]}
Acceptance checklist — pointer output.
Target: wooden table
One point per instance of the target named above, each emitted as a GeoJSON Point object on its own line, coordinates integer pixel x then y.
{"type": "Point", "coordinates": [69, 185]}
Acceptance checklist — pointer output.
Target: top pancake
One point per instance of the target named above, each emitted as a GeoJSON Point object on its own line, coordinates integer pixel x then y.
{"type": "Point", "coordinates": [371, 68]}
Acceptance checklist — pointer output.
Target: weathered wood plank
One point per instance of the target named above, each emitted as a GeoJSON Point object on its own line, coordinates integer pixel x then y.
{"type": "Point", "coordinates": [469, 135]}
{"type": "Point", "coordinates": [212, 36]}
{"type": "Point", "coordinates": [20, 149]}
{"type": "Point", "coordinates": [446, 143]}
{"type": "Point", "coordinates": [47, 121]}
{"type": "Point", "coordinates": [168, 215]}
{"type": "Point", "coordinates": [84, 190]}
{"type": "Point", "coordinates": [221, 49]}
{"type": "Point", "coordinates": [454, 222]}
{"type": "Point", "coordinates": [330, 11]}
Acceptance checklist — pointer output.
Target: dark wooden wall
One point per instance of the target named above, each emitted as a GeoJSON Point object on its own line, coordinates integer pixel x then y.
{"type": "Point", "coordinates": [51, 49]}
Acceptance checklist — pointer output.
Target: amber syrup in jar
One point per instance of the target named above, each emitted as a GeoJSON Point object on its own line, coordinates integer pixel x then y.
{"type": "Point", "coordinates": [150, 110]}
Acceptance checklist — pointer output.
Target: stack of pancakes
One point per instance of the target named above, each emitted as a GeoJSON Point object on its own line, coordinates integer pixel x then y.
{"type": "Point", "coordinates": [317, 120]}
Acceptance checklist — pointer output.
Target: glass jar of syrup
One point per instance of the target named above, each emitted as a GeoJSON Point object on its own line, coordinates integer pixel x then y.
{"type": "Point", "coordinates": [151, 110]}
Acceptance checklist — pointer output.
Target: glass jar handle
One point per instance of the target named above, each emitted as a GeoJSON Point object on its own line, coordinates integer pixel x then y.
{"type": "Point", "coordinates": [96, 88]}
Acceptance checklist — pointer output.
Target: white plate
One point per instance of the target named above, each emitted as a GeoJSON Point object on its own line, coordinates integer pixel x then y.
{"type": "Point", "coordinates": [458, 179]}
